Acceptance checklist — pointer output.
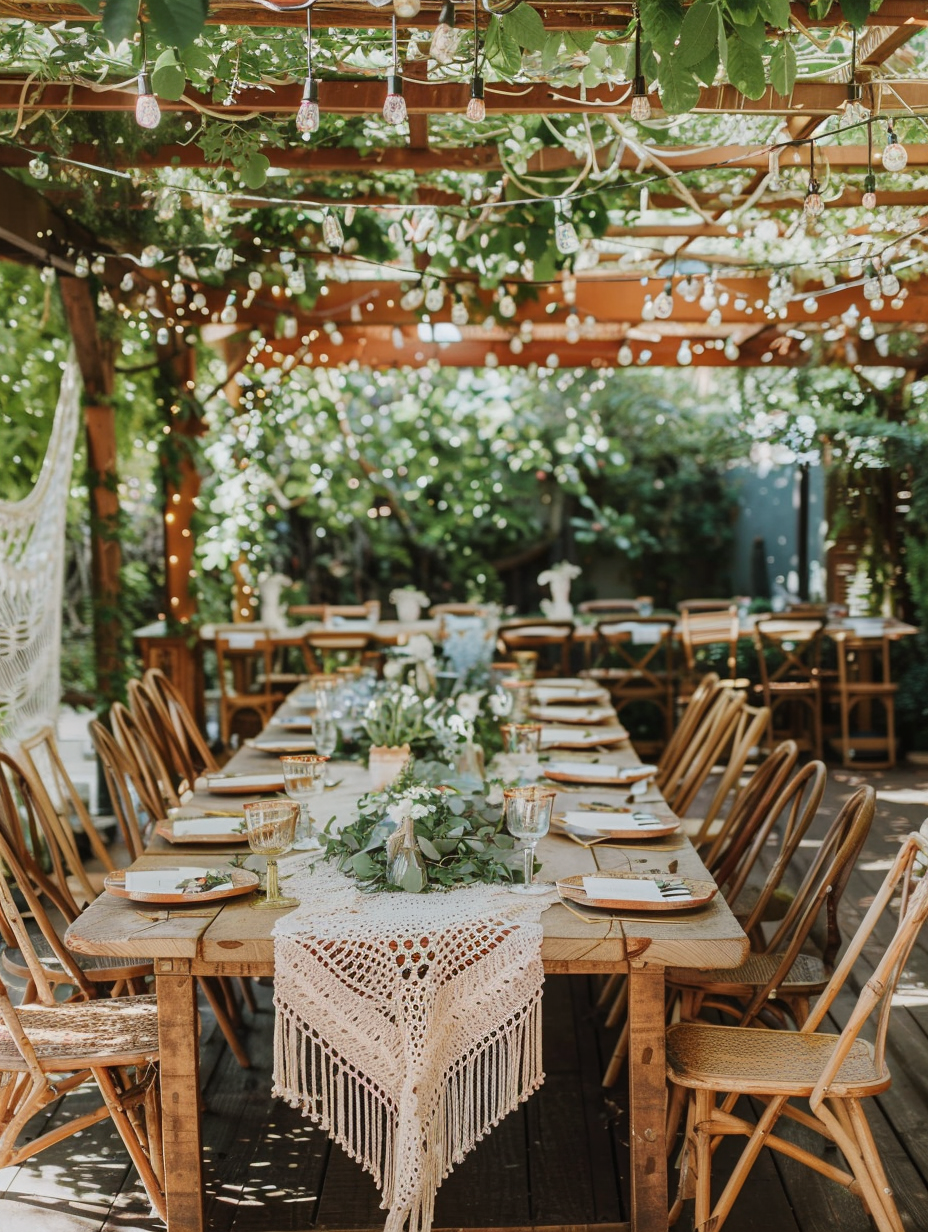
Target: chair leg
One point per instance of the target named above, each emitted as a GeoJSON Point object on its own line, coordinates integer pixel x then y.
{"type": "Point", "coordinates": [705, 1101]}
{"type": "Point", "coordinates": [868, 1169]}
{"type": "Point", "coordinates": [137, 1153]}
{"type": "Point", "coordinates": [225, 1026]}
{"type": "Point", "coordinates": [248, 996]}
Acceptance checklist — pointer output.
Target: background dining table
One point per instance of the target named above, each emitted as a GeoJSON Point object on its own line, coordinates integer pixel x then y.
{"type": "Point", "coordinates": [229, 938]}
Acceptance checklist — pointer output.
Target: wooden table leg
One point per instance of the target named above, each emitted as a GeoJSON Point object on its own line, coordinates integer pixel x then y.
{"type": "Point", "coordinates": [180, 1094]}
{"type": "Point", "coordinates": [647, 1098]}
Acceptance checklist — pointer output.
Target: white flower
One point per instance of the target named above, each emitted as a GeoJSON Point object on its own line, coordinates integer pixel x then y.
{"type": "Point", "coordinates": [458, 725]}
{"type": "Point", "coordinates": [409, 592]}
{"type": "Point", "coordinates": [399, 810]}
{"type": "Point", "coordinates": [420, 647]}
{"type": "Point", "coordinates": [563, 569]}
{"type": "Point", "coordinates": [500, 705]}
{"type": "Point", "coordinates": [393, 669]}
{"type": "Point", "coordinates": [495, 794]}
{"type": "Point", "coordinates": [468, 705]}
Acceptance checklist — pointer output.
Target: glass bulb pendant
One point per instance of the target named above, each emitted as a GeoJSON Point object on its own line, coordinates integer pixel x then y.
{"type": "Point", "coordinates": [894, 155]}
{"type": "Point", "coordinates": [38, 167]}
{"type": "Point", "coordinates": [872, 286]}
{"type": "Point", "coordinates": [225, 259]}
{"type": "Point", "coordinates": [229, 314]}
{"type": "Point", "coordinates": [640, 109]}
{"type": "Point", "coordinates": [307, 116]}
{"type": "Point", "coordinates": [889, 282]}
{"type": "Point", "coordinates": [394, 105]}
{"type": "Point", "coordinates": [854, 110]}
{"type": "Point", "coordinates": [178, 293]}
{"type": "Point", "coordinates": [663, 305]}
{"type": "Point", "coordinates": [868, 200]}
{"type": "Point", "coordinates": [731, 350]}
{"type": "Point", "coordinates": [684, 354]}
{"type": "Point", "coordinates": [255, 280]}
{"type": "Point", "coordinates": [813, 205]}
{"type": "Point", "coordinates": [147, 111]}
{"type": "Point", "coordinates": [332, 232]}
{"type": "Point", "coordinates": [626, 355]}
{"type": "Point", "coordinates": [689, 289]}
{"type": "Point", "coordinates": [647, 309]}
{"type": "Point", "coordinates": [105, 301]}
{"type": "Point", "coordinates": [296, 280]}
{"type": "Point", "coordinates": [459, 313]}
{"type": "Point", "coordinates": [126, 283]}
{"type": "Point", "coordinates": [434, 298]}
{"type": "Point", "coordinates": [406, 9]}
{"type": "Point", "coordinates": [773, 168]}
{"type": "Point", "coordinates": [445, 38]}
{"type": "Point", "coordinates": [476, 108]}
{"type": "Point", "coordinates": [565, 234]}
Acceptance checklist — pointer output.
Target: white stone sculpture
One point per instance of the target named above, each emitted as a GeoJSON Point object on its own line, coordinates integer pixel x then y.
{"type": "Point", "coordinates": [559, 578]}
{"type": "Point", "coordinates": [273, 615]}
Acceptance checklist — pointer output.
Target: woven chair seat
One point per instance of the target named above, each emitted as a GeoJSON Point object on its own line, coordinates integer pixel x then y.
{"type": "Point", "coordinates": [766, 1062]}
{"type": "Point", "coordinates": [96, 966]}
{"type": "Point", "coordinates": [807, 971]}
{"type": "Point", "coordinates": [79, 1035]}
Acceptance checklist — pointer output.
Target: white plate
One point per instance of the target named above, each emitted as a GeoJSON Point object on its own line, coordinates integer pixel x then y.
{"type": "Point", "coordinates": [597, 772]}
{"type": "Point", "coordinates": [629, 891]}
{"type": "Point", "coordinates": [572, 714]}
{"type": "Point", "coordinates": [244, 784]}
{"type": "Point", "coordinates": [629, 824]}
{"type": "Point", "coordinates": [545, 696]}
{"type": "Point", "coordinates": [577, 738]}
{"type": "Point", "coordinates": [292, 744]}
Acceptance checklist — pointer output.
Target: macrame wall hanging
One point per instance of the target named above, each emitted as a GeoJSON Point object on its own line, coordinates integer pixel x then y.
{"type": "Point", "coordinates": [32, 539]}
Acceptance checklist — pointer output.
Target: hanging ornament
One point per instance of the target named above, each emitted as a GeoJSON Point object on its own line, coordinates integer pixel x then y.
{"type": "Point", "coordinates": [663, 304]}
{"type": "Point", "coordinates": [813, 204]}
{"type": "Point", "coordinates": [894, 156]}
{"type": "Point", "coordinates": [186, 268]}
{"type": "Point", "coordinates": [684, 354]}
{"type": "Point", "coordinates": [445, 39]}
{"type": "Point", "coordinates": [332, 231]}
{"type": "Point", "coordinates": [38, 167]}
{"type": "Point", "coordinates": [105, 301]}
{"type": "Point", "coordinates": [435, 298]}
{"type": "Point", "coordinates": [255, 280]}
{"type": "Point", "coordinates": [307, 116]}
{"type": "Point", "coordinates": [871, 287]}
{"type": "Point", "coordinates": [394, 107]}
{"type": "Point", "coordinates": [296, 280]}
{"type": "Point", "coordinates": [126, 283]}
{"type": "Point", "coordinates": [150, 255]}
{"type": "Point", "coordinates": [225, 259]}
{"type": "Point", "coordinates": [229, 314]}
{"type": "Point", "coordinates": [889, 283]}
{"type": "Point", "coordinates": [626, 355]}
{"type": "Point", "coordinates": [178, 292]}
{"type": "Point", "coordinates": [147, 111]}
{"type": "Point", "coordinates": [640, 110]}
{"type": "Point", "coordinates": [565, 235]}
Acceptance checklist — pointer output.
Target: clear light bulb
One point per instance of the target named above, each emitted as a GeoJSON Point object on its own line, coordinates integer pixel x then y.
{"type": "Point", "coordinates": [459, 313]}
{"type": "Point", "coordinates": [868, 200]}
{"type": "Point", "coordinates": [225, 259]}
{"type": "Point", "coordinates": [516, 345]}
{"type": "Point", "coordinates": [105, 301]}
{"type": "Point", "coordinates": [647, 309]}
{"type": "Point", "coordinates": [255, 280]}
{"type": "Point", "coordinates": [684, 354]}
{"type": "Point", "coordinates": [38, 167]}
{"type": "Point", "coordinates": [854, 111]}
{"type": "Point", "coordinates": [894, 155]}
{"type": "Point", "coordinates": [445, 39]}
{"type": "Point", "coordinates": [178, 292]}
{"type": "Point", "coordinates": [332, 232]}
{"type": "Point", "coordinates": [889, 282]}
{"type": "Point", "coordinates": [147, 111]}
{"type": "Point", "coordinates": [98, 265]}
{"type": "Point", "coordinates": [508, 308]}
{"type": "Point", "coordinates": [731, 350]}
{"type": "Point", "coordinates": [162, 337]}
{"type": "Point", "coordinates": [412, 299]}
{"type": "Point", "coordinates": [150, 255]}
{"type": "Point", "coordinates": [307, 116]}
{"type": "Point", "coordinates": [229, 314]}
{"type": "Point", "coordinates": [689, 289]}
{"type": "Point", "coordinates": [81, 267]}
{"type": "Point", "coordinates": [872, 286]}
{"type": "Point", "coordinates": [435, 298]}
{"type": "Point", "coordinates": [394, 105]}
{"type": "Point", "coordinates": [810, 304]}
{"type": "Point", "coordinates": [476, 108]}
{"type": "Point", "coordinates": [813, 205]}
{"type": "Point", "coordinates": [773, 168]}
{"type": "Point", "coordinates": [663, 305]}
{"type": "Point", "coordinates": [866, 331]}
{"type": "Point", "coordinates": [126, 283]}
{"type": "Point", "coordinates": [640, 109]}
{"type": "Point", "coordinates": [625, 356]}
{"type": "Point", "coordinates": [565, 235]}
{"type": "Point", "coordinates": [296, 280]}
{"type": "Point", "coordinates": [406, 9]}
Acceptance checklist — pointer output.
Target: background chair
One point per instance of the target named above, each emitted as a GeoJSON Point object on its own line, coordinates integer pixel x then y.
{"type": "Point", "coordinates": [710, 643]}
{"type": "Point", "coordinates": [369, 611]}
{"type": "Point", "coordinates": [552, 640]}
{"type": "Point", "coordinates": [864, 678]}
{"type": "Point", "coordinates": [635, 662]}
{"type": "Point", "coordinates": [789, 662]}
{"type": "Point", "coordinates": [705, 605]}
{"type": "Point", "coordinates": [195, 755]}
{"type": "Point", "coordinates": [245, 664]}
{"type": "Point", "coordinates": [604, 607]}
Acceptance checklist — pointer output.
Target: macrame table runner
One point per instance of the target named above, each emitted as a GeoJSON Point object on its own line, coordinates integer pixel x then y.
{"type": "Point", "coordinates": [408, 1025]}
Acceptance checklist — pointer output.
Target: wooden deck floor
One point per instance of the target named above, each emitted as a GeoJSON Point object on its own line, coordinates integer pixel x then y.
{"type": "Point", "coordinates": [561, 1159]}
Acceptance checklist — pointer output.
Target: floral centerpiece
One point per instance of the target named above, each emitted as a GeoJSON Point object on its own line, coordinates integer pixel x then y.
{"type": "Point", "coordinates": [416, 836]}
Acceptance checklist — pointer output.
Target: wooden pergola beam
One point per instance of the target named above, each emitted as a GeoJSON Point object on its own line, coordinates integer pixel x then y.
{"type": "Point", "coordinates": [809, 98]}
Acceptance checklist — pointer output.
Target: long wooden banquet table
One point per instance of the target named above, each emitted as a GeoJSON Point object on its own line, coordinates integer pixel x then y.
{"type": "Point", "coordinates": [231, 939]}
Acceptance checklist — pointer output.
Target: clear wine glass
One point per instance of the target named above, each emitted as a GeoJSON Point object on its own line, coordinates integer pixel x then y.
{"type": "Point", "coordinates": [271, 825]}
{"type": "Point", "coordinates": [304, 779]}
{"type": "Point", "coordinates": [325, 734]}
{"type": "Point", "coordinates": [528, 815]}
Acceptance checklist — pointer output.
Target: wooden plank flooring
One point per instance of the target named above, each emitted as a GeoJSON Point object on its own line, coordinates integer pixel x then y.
{"type": "Point", "coordinates": [560, 1159]}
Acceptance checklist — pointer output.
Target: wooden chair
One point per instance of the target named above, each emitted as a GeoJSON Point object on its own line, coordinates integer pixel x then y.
{"type": "Point", "coordinates": [678, 745]}
{"type": "Point", "coordinates": [62, 814]}
{"type": "Point", "coordinates": [746, 737]}
{"type": "Point", "coordinates": [245, 665]}
{"type": "Point", "coordinates": [552, 639]}
{"type": "Point", "coordinates": [635, 662]}
{"type": "Point", "coordinates": [830, 1075]}
{"type": "Point", "coordinates": [789, 659]}
{"type": "Point", "coordinates": [708, 743]}
{"type": "Point", "coordinates": [321, 644]}
{"type": "Point", "coordinates": [50, 1048]}
{"type": "Point", "coordinates": [605, 607]}
{"type": "Point", "coordinates": [195, 753]}
{"type": "Point", "coordinates": [153, 779]}
{"type": "Point", "coordinates": [126, 788]}
{"type": "Point", "coordinates": [864, 677]}
{"type": "Point", "coordinates": [704, 605]}
{"type": "Point", "coordinates": [703, 634]}
{"type": "Point", "coordinates": [369, 611]}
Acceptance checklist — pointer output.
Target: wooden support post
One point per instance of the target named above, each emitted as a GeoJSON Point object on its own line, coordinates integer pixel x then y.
{"type": "Point", "coordinates": [180, 477]}
{"type": "Point", "coordinates": [96, 360]}
{"type": "Point", "coordinates": [648, 1097]}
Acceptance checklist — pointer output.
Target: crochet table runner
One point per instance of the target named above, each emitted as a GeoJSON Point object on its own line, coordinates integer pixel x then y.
{"type": "Point", "coordinates": [407, 1024]}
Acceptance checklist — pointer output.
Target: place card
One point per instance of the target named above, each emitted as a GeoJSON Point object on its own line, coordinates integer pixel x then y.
{"type": "Point", "coordinates": [196, 826]}
{"type": "Point", "coordinates": [622, 889]}
{"type": "Point", "coordinates": [600, 821]}
{"type": "Point", "coordinates": [167, 880]}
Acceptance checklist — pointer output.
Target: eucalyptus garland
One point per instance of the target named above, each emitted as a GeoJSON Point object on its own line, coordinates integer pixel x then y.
{"type": "Point", "coordinates": [460, 838]}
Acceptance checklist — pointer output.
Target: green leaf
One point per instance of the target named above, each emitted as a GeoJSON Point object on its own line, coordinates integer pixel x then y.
{"type": "Point", "coordinates": [177, 22]}
{"type": "Point", "coordinates": [526, 27]}
{"type": "Point", "coordinates": [428, 849]}
{"type": "Point", "coordinates": [583, 40]}
{"type": "Point", "coordinates": [699, 34]}
{"type": "Point", "coordinates": [662, 20]}
{"type": "Point", "coordinates": [754, 32]}
{"type": "Point", "coordinates": [783, 68]}
{"type": "Point", "coordinates": [745, 67]}
{"type": "Point", "coordinates": [254, 173]}
{"type": "Point", "coordinates": [678, 85]}
{"type": "Point", "coordinates": [856, 12]}
{"type": "Point", "coordinates": [551, 51]}
{"type": "Point", "coordinates": [776, 13]}
{"type": "Point", "coordinates": [197, 64]}
{"type": "Point", "coordinates": [363, 866]}
{"type": "Point", "coordinates": [706, 69]}
{"type": "Point", "coordinates": [120, 18]}
{"type": "Point", "coordinates": [167, 77]}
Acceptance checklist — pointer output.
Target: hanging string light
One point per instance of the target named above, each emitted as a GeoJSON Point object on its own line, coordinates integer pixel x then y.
{"type": "Point", "coordinates": [394, 106]}
{"type": "Point", "coordinates": [476, 108]}
{"type": "Point", "coordinates": [38, 167]}
{"type": "Point", "coordinates": [868, 200]}
{"type": "Point", "coordinates": [894, 155]}
{"type": "Point", "coordinates": [147, 111]}
{"type": "Point", "coordinates": [813, 204]}
{"type": "Point", "coordinates": [307, 116]}
{"type": "Point", "coordinates": [663, 304]}
{"type": "Point", "coordinates": [332, 233]}
{"type": "Point", "coordinates": [640, 108]}
{"type": "Point", "coordinates": [773, 168]}
{"type": "Point", "coordinates": [445, 38]}
{"type": "Point", "coordinates": [565, 233]}
{"type": "Point", "coordinates": [854, 110]}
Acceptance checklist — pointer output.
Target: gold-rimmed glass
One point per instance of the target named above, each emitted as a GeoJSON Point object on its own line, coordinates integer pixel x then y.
{"type": "Point", "coordinates": [271, 825]}
{"type": "Point", "coordinates": [528, 816]}
{"type": "Point", "coordinates": [304, 779]}
{"type": "Point", "coordinates": [524, 738]}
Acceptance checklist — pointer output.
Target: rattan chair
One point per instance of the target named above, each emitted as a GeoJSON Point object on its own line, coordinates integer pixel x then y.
{"type": "Point", "coordinates": [551, 639]}
{"type": "Point", "coordinates": [789, 660]}
{"type": "Point", "coordinates": [678, 745]}
{"type": "Point", "coordinates": [747, 736]}
{"type": "Point", "coordinates": [49, 1048]}
{"type": "Point", "coordinates": [153, 779]}
{"type": "Point", "coordinates": [829, 1075]}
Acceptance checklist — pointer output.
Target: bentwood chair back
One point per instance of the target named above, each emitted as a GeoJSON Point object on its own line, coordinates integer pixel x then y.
{"type": "Point", "coordinates": [703, 698]}
{"type": "Point", "coordinates": [551, 639]}
{"type": "Point", "coordinates": [715, 734]}
{"type": "Point", "coordinates": [126, 789]}
{"type": "Point", "coordinates": [153, 779]}
{"type": "Point", "coordinates": [788, 660]}
{"type": "Point", "coordinates": [749, 807]}
{"type": "Point", "coordinates": [21, 827]}
{"type": "Point", "coordinates": [245, 665]}
{"type": "Point", "coordinates": [195, 755]}
{"type": "Point", "coordinates": [636, 663]}
{"type": "Point", "coordinates": [601, 608]}
{"type": "Point", "coordinates": [831, 1075]}
{"type": "Point", "coordinates": [49, 1048]}
{"type": "Point", "coordinates": [709, 640]}
{"type": "Point", "coordinates": [747, 736]}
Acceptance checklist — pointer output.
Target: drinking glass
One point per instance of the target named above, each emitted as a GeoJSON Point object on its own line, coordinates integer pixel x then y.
{"type": "Point", "coordinates": [521, 693]}
{"type": "Point", "coordinates": [527, 663]}
{"type": "Point", "coordinates": [325, 734]}
{"type": "Point", "coordinates": [304, 778]}
{"type": "Point", "coordinates": [528, 816]}
{"type": "Point", "coordinates": [524, 738]}
{"type": "Point", "coordinates": [271, 826]}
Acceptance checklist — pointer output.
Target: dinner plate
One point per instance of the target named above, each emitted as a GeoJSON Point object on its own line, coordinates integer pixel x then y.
{"type": "Point", "coordinates": [202, 830]}
{"type": "Point", "coordinates": [293, 722]}
{"type": "Point", "coordinates": [283, 746]}
{"type": "Point", "coordinates": [635, 895]}
{"type": "Point", "coordinates": [621, 824]}
{"type": "Point", "coordinates": [604, 773]}
{"type": "Point", "coordinates": [572, 714]}
{"type": "Point", "coordinates": [572, 738]}
{"type": "Point", "coordinates": [243, 882]}
{"type": "Point", "coordinates": [572, 696]}
{"type": "Point", "coordinates": [244, 784]}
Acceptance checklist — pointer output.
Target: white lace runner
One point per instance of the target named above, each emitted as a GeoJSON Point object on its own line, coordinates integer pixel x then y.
{"type": "Point", "coordinates": [408, 1025]}
{"type": "Point", "coordinates": [32, 580]}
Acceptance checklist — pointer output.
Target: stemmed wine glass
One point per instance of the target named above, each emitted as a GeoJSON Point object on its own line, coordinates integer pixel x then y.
{"type": "Point", "coordinates": [528, 816]}
{"type": "Point", "coordinates": [271, 826]}
{"type": "Point", "coordinates": [325, 734]}
{"type": "Point", "coordinates": [304, 779]}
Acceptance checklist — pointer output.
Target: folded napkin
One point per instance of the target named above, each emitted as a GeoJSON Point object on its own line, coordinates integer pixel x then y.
{"type": "Point", "coordinates": [620, 889]}
{"type": "Point", "coordinates": [595, 822]}
{"type": "Point", "coordinates": [300, 721]}
{"type": "Point", "coordinates": [586, 769]}
{"type": "Point", "coordinates": [551, 736]}
{"type": "Point", "coordinates": [167, 880]}
{"type": "Point", "coordinates": [189, 826]}
{"type": "Point", "coordinates": [642, 635]}
{"type": "Point", "coordinates": [573, 714]}
{"type": "Point", "coordinates": [297, 743]}
{"type": "Point", "coordinates": [273, 781]}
